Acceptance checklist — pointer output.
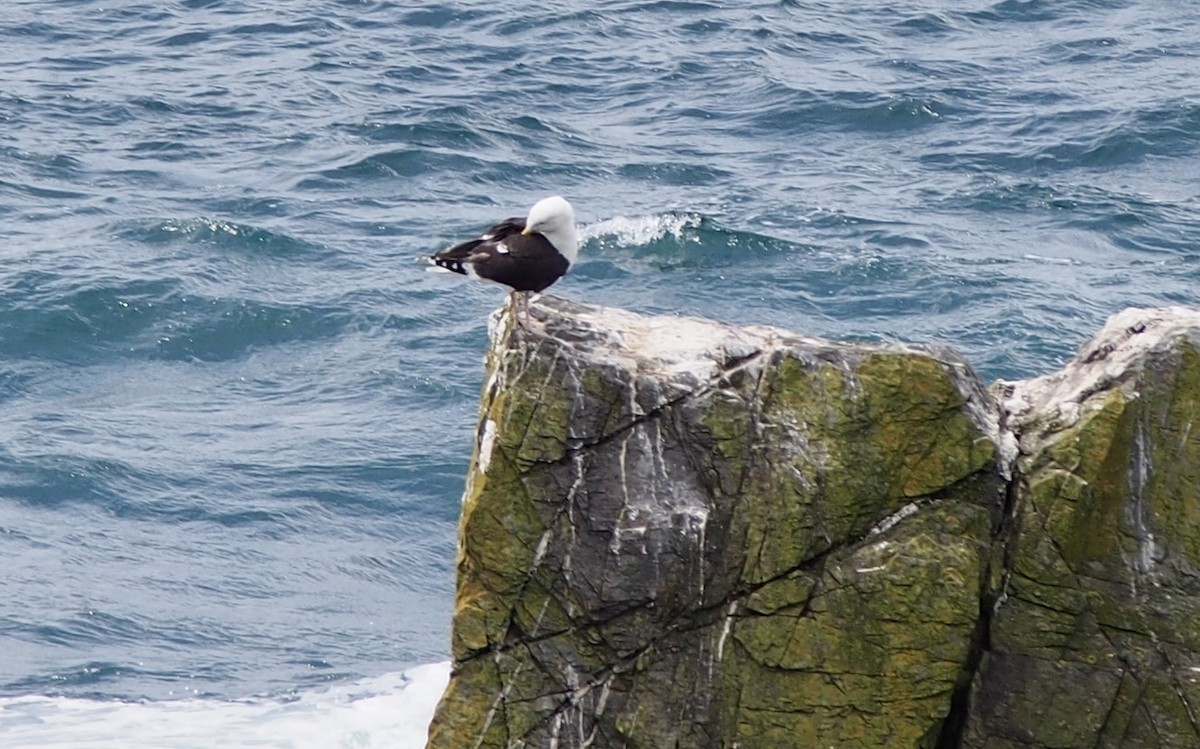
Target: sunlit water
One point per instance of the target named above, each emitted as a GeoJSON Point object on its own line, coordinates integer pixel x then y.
{"type": "Point", "coordinates": [237, 414]}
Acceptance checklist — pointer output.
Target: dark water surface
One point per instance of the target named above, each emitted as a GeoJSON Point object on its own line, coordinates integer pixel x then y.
{"type": "Point", "coordinates": [236, 415]}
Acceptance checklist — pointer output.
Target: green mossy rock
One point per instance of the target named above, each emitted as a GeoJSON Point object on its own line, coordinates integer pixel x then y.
{"type": "Point", "coordinates": [1097, 643]}
{"type": "Point", "coordinates": [682, 534]}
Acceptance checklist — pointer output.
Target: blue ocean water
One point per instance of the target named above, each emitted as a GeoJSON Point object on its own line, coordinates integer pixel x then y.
{"type": "Point", "coordinates": [235, 415]}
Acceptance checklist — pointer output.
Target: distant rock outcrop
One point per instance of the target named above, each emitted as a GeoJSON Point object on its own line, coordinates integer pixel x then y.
{"type": "Point", "coordinates": [678, 533]}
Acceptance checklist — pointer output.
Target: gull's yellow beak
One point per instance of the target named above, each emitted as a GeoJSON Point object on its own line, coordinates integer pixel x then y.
{"type": "Point", "coordinates": [527, 231]}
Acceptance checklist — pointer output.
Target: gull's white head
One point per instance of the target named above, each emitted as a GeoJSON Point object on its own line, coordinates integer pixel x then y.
{"type": "Point", "coordinates": [554, 219]}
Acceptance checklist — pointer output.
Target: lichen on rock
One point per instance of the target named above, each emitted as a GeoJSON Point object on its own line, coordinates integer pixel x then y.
{"type": "Point", "coordinates": [680, 533]}
{"type": "Point", "coordinates": [1097, 642]}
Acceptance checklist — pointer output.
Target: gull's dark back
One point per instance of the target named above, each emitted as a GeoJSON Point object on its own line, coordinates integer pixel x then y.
{"type": "Point", "coordinates": [452, 258]}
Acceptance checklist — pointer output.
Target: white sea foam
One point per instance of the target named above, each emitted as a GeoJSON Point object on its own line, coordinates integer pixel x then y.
{"type": "Point", "coordinates": [391, 711]}
{"type": "Point", "coordinates": [640, 230]}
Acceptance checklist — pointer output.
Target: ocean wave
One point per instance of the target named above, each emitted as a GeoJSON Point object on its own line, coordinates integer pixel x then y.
{"type": "Point", "coordinates": [220, 233]}
{"type": "Point", "coordinates": [640, 230]}
{"type": "Point", "coordinates": [672, 242]}
{"type": "Point", "coordinates": [393, 710]}
{"type": "Point", "coordinates": [403, 163]}
{"type": "Point", "coordinates": [1064, 138]}
{"type": "Point", "coordinates": [858, 111]}
{"type": "Point", "coordinates": [223, 329]}
{"type": "Point", "coordinates": [63, 319]}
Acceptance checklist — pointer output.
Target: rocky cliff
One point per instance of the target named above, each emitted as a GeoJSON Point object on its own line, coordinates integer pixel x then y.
{"type": "Point", "coordinates": [677, 533]}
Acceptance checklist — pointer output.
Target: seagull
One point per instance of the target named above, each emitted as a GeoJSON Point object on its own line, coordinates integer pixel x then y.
{"type": "Point", "coordinates": [526, 254]}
